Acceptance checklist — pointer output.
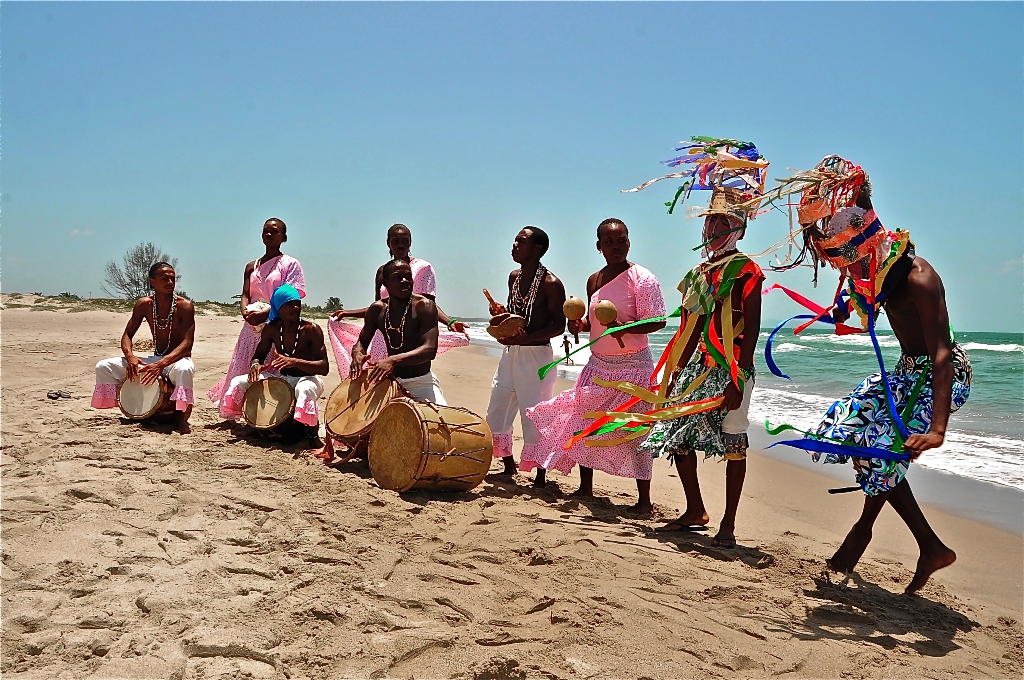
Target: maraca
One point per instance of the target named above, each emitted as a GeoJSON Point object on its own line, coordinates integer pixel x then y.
{"type": "Point", "coordinates": [606, 312]}
{"type": "Point", "coordinates": [574, 310]}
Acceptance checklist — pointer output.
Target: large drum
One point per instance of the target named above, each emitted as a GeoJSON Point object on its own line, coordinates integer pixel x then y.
{"type": "Point", "coordinates": [353, 406]}
{"type": "Point", "coordinates": [138, 401]}
{"type": "Point", "coordinates": [419, 445]}
{"type": "Point", "coordinates": [268, 403]}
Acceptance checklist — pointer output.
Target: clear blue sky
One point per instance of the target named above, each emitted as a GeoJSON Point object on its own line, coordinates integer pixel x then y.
{"type": "Point", "coordinates": [189, 124]}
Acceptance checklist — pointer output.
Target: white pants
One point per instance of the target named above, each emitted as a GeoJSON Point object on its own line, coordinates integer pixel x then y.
{"type": "Point", "coordinates": [308, 389]}
{"type": "Point", "coordinates": [110, 373]}
{"type": "Point", "coordinates": [516, 386]}
{"type": "Point", "coordinates": [424, 388]}
{"type": "Point", "coordinates": [737, 422]}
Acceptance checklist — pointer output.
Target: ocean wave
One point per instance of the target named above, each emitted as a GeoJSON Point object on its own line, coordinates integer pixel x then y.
{"type": "Point", "coordinates": [982, 347]}
{"type": "Point", "coordinates": [788, 347]}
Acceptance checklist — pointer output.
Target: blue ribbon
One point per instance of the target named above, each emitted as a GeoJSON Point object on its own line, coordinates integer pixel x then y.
{"type": "Point", "coordinates": [772, 366]}
{"type": "Point", "coordinates": [893, 411]}
{"type": "Point", "coordinates": [822, 446]}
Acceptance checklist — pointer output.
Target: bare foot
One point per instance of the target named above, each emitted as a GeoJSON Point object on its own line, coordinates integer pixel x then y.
{"type": "Point", "coordinates": [587, 492]}
{"type": "Point", "coordinates": [184, 427]}
{"type": "Point", "coordinates": [687, 520]}
{"type": "Point", "coordinates": [510, 466]}
{"type": "Point", "coordinates": [644, 509]}
{"type": "Point", "coordinates": [541, 479]}
{"type": "Point", "coordinates": [928, 565]}
{"type": "Point", "coordinates": [850, 551]}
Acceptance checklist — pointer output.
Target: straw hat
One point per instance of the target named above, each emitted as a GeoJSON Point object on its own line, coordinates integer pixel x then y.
{"type": "Point", "coordinates": [726, 201]}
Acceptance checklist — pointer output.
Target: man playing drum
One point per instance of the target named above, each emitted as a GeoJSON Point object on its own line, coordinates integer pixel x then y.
{"type": "Point", "coordinates": [409, 324]}
{"type": "Point", "coordinates": [537, 295]}
{"type": "Point", "coordinates": [301, 360]}
{"type": "Point", "coordinates": [172, 320]}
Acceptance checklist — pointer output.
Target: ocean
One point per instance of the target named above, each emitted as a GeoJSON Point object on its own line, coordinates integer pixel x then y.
{"type": "Point", "coordinates": [985, 440]}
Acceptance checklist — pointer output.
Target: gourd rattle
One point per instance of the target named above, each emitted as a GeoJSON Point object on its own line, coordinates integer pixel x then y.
{"type": "Point", "coordinates": [574, 310]}
{"type": "Point", "coordinates": [606, 312]}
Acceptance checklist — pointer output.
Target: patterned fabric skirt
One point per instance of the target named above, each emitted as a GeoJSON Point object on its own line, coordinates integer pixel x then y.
{"type": "Point", "coordinates": [863, 417]}
{"type": "Point", "coordinates": [701, 431]}
{"type": "Point", "coordinates": [559, 418]}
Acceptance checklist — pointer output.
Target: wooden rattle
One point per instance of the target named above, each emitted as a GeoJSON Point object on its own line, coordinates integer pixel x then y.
{"type": "Point", "coordinates": [606, 312]}
{"type": "Point", "coordinates": [574, 310]}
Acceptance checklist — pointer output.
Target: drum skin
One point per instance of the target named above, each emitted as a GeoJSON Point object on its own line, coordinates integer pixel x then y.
{"type": "Point", "coordinates": [268, 403]}
{"type": "Point", "coordinates": [417, 445]}
{"type": "Point", "coordinates": [138, 401]}
{"type": "Point", "coordinates": [352, 408]}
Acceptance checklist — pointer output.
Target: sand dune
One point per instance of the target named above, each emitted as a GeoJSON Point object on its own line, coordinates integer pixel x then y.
{"type": "Point", "coordinates": [129, 551]}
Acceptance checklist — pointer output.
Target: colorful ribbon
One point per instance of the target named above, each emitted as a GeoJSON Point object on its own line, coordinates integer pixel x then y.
{"type": "Point", "coordinates": [543, 371]}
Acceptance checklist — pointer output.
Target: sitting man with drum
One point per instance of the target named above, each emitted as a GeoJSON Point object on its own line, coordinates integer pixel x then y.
{"type": "Point", "coordinates": [409, 325]}
{"type": "Point", "coordinates": [301, 360]}
{"type": "Point", "coordinates": [140, 386]}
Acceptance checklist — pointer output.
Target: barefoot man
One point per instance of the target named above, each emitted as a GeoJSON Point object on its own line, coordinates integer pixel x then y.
{"type": "Point", "coordinates": [408, 322]}
{"type": "Point", "coordinates": [172, 320]}
{"type": "Point", "coordinates": [300, 360]}
{"type": "Point", "coordinates": [537, 295]}
{"type": "Point", "coordinates": [931, 379]}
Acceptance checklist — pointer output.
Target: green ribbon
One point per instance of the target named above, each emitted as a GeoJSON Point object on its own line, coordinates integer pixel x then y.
{"type": "Point", "coordinates": [654, 319]}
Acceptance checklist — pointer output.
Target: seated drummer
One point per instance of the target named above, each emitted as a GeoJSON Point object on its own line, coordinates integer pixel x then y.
{"type": "Point", "coordinates": [172, 320]}
{"type": "Point", "coordinates": [300, 359]}
{"type": "Point", "coordinates": [408, 323]}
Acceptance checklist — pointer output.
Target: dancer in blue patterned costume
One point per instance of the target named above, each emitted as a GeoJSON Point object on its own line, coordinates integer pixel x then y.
{"type": "Point", "coordinates": [931, 379]}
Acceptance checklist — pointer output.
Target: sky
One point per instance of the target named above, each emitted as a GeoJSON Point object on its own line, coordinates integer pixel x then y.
{"type": "Point", "coordinates": [188, 125]}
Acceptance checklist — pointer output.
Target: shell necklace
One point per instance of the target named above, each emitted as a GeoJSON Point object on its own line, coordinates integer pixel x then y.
{"type": "Point", "coordinates": [523, 304]}
{"type": "Point", "coordinates": [168, 325]}
{"type": "Point", "coordinates": [399, 329]}
{"type": "Point", "coordinates": [295, 347]}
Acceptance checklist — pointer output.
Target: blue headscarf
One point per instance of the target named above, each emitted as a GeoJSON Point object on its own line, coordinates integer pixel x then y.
{"type": "Point", "coordinates": [283, 295]}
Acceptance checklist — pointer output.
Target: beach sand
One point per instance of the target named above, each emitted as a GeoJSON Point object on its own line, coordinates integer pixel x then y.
{"type": "Point", "coordinates": [129, 551]}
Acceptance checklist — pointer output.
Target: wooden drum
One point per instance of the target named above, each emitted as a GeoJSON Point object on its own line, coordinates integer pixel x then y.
{"type": "Point", "coordinates": [268, 403]}
{"type": "Point", "coordinates": [138, 401]}
{"type": "Point", "coordinates": [353, 407]}
{"type": "Point", "coordinates": [419, 445]}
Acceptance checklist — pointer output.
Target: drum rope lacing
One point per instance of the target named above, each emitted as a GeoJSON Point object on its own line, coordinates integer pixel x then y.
{"type": "Point", "coordinates": [400, 328]}
{"type": "Point", "coordinates": [169, 325]}
{"type": "Point", "coordinates": [523, 304]}
{"type": "Point", "coordinates": [295, 347]}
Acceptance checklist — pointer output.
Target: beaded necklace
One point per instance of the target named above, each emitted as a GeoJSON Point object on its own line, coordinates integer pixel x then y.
{"type": "Point", "coordinates": [523, 304]}
{"type": "Point", "coordinates": [295, 347]}
{"type": "Point", "coordinates": [168, 325]}
{"type": "Point", "coordinates": [389, 328]}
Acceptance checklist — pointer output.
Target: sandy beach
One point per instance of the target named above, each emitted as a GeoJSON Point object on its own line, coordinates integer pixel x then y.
{"type": "Point", "coordinates": [133, 552]}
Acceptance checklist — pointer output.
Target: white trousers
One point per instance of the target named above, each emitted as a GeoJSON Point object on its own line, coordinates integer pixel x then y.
{"type": "Point", "coordinates": [516, 386]}
{"type": "Point", "coordinates": [110, 373]}
{"type": "Point", "coordinates": [424, 388]}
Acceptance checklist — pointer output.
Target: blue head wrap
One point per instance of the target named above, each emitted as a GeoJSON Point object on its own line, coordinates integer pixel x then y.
{"type": "Point", "coordinates": [283, 295]}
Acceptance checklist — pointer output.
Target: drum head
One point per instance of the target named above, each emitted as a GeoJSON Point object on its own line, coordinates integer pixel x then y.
{"type": "Point", "coordinates": [137, 400]}
{"type": "Point", "coordinates": [268, 403]}
{"type": "Point", "coordinates": [396, 445]}
{"type": "Point", "coordinates": [352, 408]}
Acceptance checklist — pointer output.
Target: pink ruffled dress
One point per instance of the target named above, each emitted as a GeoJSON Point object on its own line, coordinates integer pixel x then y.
{"type": "Point", "coordinates": [637, 295]}
{"type": "Point", "coordinates": [263, 281]}
{"type": "Point", "coordinates": [344, 335]}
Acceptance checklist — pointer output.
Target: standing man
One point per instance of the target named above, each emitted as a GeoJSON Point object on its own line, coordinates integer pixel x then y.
{"type": "Point", "coordinates": [172, 320]}
{"type": "Point", "coordinates": [537, 295]}
{"type": "Point", "coordinates": [408, 322]}
{"type": "Point", "coordinates": [568, 349]}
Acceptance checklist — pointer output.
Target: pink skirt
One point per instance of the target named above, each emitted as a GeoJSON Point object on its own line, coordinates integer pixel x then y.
{"type": "Point", "coordinates": [344, 335]}
{"type": "Point", "coordinates": [560, 418]}
{"type": "Point", "coordinates": [245, 347]}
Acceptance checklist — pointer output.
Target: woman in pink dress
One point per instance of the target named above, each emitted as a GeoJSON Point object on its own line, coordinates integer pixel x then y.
{"type": "Point", "coordinates": [637, 295]}
{"type": "Point", "coordinates": [344, 335]}
{"type": "Point", "coordinates": [262, 278]}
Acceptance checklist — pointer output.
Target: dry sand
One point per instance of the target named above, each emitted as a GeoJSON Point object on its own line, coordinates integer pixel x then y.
{"type": "Point", "coordinates": [129, 551]}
